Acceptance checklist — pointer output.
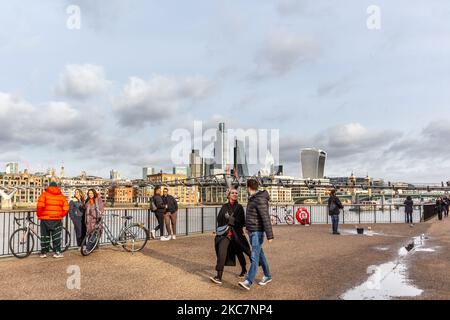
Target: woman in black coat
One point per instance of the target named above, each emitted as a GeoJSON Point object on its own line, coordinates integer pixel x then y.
{"type": "Point", "coordinates": [233, 242]}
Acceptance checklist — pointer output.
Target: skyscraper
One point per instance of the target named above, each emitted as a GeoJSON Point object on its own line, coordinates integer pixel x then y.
{"type": "Point", "coordinates": [313, 163]}
{"type": "Point", "coordinates": [12, 168]}
{"type": "Point", "coordinates": [195, 164]}
{"type": "Point", "coordinates": [221, 150]}
{"type": "Point", "coordinates": [114, 175]}
{"type": "Point", "coordinates": [146, 171]}
{"type": "Point", "coordinates": [240, 160]}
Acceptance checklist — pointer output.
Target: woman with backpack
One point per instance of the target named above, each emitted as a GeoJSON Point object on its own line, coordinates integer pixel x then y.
{"type": "Point", "coordinates": [230, 240]}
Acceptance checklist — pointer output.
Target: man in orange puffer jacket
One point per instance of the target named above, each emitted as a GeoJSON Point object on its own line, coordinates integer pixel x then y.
{"type": "Point", "coordinates": [52, 207]}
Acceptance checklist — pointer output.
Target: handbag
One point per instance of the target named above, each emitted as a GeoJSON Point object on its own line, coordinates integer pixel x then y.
{"type": "Point", "coordinates": [223, 230]}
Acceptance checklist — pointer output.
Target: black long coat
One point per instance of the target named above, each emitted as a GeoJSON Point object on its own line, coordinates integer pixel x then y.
{"type": "Point", "coordinates": [239, 242]}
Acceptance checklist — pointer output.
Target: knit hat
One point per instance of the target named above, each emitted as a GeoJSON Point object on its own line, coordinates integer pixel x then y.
{"type": "Point", "coordinates": [53, 184]}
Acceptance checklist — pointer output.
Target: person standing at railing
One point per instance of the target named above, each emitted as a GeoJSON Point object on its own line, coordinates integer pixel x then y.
{"type": "Point", "coordinates": [77, 215]}
{"type": "Point", "coordinates": [231, 241]}
{"type": "Point", "coordinates": [51, 209]}
{"type": "Point", "coordinates": [170, 216]}
{"type": "Point", "coordinates": [95, 209]}
{"type": "Point", "coordinates": [409, 208]}
{"type": "Point", "coordinates": [446, 205]}
{"type": "Point", "coordinates": [439, 208]}
{"type": "Point", "coordinates": [334, 208]}
{"type": "Point", "coordinates": [257, 223]}
{"type": "Point", "coordinates": [160, 209]}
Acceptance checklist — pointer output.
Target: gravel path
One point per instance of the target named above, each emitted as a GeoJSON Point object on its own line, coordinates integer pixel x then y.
{"type": "Point", "coordinates": [306, 263]}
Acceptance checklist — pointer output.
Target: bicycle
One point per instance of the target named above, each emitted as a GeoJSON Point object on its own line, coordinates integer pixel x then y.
{"type": "Point", "coordinates": [288, 217]}
{"type": "Point", "coordinates": [129, 236]}
{"type": "Point", "coordinates": [25, 236]}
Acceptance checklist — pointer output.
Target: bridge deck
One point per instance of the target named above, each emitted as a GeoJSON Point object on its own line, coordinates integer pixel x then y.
{"type": "Point", "coordinates": [306, 262]}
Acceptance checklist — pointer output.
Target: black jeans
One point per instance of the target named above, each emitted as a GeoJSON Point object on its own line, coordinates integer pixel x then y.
{"type": "Point", "coordinates": [79, 225]}
{"type": "Point", "coordinates": [223, 252]}
{"type": "Point", "coordinates": [160, 217]}
{"type": "Point", "coordinates": [409, 218]}
{"type": "Point", "coordinates": [50, 229]}
{"type": "Point", "coordinates": [335, 222]}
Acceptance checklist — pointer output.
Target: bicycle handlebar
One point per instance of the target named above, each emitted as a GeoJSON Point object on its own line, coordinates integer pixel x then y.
{"type": "Point", "coordinates": [30, 219]}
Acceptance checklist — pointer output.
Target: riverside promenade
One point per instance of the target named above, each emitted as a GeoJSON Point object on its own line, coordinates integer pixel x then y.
{"type": "Point", "coordinates": [306, 263]}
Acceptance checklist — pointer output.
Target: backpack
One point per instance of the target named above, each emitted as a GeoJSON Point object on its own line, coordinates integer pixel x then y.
{"type": "Point", "coordinates": [153, 206]}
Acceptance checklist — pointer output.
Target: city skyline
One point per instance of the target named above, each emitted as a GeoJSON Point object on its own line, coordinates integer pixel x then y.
{"type": "Point", "coordinates": [105, 99]}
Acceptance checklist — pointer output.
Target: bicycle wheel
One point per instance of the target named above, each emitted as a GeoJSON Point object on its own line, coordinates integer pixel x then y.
{"type": "Point", "coordinates": [65, 240]}
{"type": "Point", "coordinates": [273, 219]}
{"type": "Point", "coordinates": [21, 243]}
{"type": "Point", "coordinates": [134, 237]}
{"type": "Point", "coordinates": [289, 219]}
{"type": "Point", "coordinates": [90, 243]}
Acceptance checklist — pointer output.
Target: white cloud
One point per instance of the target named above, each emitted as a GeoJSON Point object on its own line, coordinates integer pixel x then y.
{"type": "Point", "coordinates": [159, 98]}
{"type": "Point", "coordinates": [23, 123]}
{"type": "Point", "coordinates": [282, 52]}
{"type": "Point", "coordinates": [82, 81]}
{"type": "Point", "coordinates": [288, 7]}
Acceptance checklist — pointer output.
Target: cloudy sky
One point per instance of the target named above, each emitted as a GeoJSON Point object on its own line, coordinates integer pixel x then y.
{"type": "Point", "coordinates": [110, 94]}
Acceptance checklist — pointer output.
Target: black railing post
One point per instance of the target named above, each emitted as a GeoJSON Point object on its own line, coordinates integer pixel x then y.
{"type": "Point", "coordinates": [390, 213]}
{"type": "Point", "coordinates": [359, 214]}
{"type": "Point", "coordinates": [203, 220]}
{"type": "Point", "coordinates": [375, 214]}
{"type": "Point", "coordinates": [187, 222]}
{"type": "Point", "coordinates": [148, 219]}
{"type": "Point", "coordinates": [343, 215]}
{"type": "Point", "coordinates": [215, 220]}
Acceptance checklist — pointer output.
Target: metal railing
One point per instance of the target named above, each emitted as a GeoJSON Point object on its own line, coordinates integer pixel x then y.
{"type": "Point", "coordinates": [196, 220]}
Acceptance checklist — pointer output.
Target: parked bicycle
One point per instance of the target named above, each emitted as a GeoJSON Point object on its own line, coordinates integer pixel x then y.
{"type": "Point", "coordinates": [288, 217]}
{"type": "Point", "coordinates": [132, 238]}
{"type": "Point", "coordinates": [21, 242]}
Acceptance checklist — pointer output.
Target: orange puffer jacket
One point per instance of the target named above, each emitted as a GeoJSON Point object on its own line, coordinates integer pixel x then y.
{"type": "Point", "coordinates": [52, 205]}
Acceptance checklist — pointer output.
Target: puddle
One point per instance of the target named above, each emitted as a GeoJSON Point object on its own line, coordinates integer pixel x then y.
{"type": "Point", "coordinates": [367, 233]}
{"type": "Point", "coordinates": [426, 250]}
{"type": "Point", "coordinates": [382, 248]}
{"type": "Point", "coordinates": [389, 280]}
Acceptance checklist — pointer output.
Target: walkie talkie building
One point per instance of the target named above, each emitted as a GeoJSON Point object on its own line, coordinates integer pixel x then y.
{"type": "Point", "coordinates": [313, 163]}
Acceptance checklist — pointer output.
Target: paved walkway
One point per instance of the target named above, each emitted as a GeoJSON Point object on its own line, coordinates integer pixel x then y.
{"type": "Point", "coordinates": [306, 262]}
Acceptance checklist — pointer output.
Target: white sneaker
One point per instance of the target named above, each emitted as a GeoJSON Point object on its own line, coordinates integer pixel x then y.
{"type": "Point", "coordinates": [58, 255]}
{"type": "Point", "coordinates": [245, 284]}
{"type": "Point", "coordinates": [265, 280]}
{"type": "Point", "coordinates": [153, 234]}
{"type": "Point", "coordinates": [174, 237]}
{"type": "Point", "coordinates": [165, 238]}
{"type": "Point", "coordinates": [43, 255]}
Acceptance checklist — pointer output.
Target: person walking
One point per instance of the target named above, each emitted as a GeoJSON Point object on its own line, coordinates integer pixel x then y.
{"type": "Point", "coordinates": [52, 207]}
{"type": "Point", "coordinates": [231, 241]}
{"type": "Point", "coordinates": [170, 216]}
{"type": "Point", "coordinates": [159, 213]}
{"type": "Point", "coordinates": [258, 224]}
{"type": "Point", "coordinates": [77, 215]}
{"type": "Point", "coordinates": [334, 207]}
{"type": "Point", "coordinates": [409, 208]}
